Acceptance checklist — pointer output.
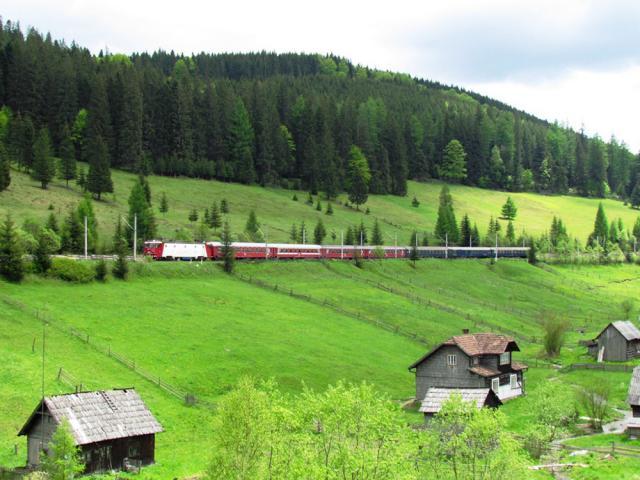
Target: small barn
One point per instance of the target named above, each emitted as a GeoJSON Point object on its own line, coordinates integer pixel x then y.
{"type": "Point", "coordinates": [111, 427]}
{"type": "Point", "coordinates": [618, 342]}
{"type": "Point", "coordinates": [436, 397]}
{"type": "Point", "coordinates": [633, 399]}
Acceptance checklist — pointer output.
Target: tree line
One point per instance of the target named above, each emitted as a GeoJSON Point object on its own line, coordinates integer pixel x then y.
{"type": "Point", "coordinates": [278, 119]}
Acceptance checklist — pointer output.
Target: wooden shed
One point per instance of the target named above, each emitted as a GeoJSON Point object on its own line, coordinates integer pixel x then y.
{"type": "Point", "coordinates": [618, 342]}
{"type": "Point", "coordinates": [436, 397]}
{"type": "Point", "coordinates": [111, 427]}
{"type": "Point", "coordinates": [633, 399]}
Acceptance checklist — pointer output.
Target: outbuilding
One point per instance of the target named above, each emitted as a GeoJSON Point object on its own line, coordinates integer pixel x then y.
{"type": "Point", "coordinates": [618, 342]}
{"type": "Point", "coordinates": [633, 399]}
{"type": "Point", "coordinates": [436, 397]}
{"type": "Point", "coordinates": [113, 428]}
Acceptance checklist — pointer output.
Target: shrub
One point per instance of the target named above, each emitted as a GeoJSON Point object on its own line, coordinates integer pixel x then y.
{"type": "Point", "coordinates": [101, 271]}
{"type": "Point", "coordinates": [554, 336]}
{"type": "Point", "coordinates": [71, 270]}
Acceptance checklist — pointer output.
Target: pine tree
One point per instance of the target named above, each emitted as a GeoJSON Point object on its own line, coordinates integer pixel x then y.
{"type": "Point", "coordinates": [215, 221]}
{"type": "Point", "coordinates": [350, 238]}
{"type": "Point", "coordinates": [52, 223]}
{"type": "Point", "coordinates": [510, 235]}
{"type": "Point", "coordinates": [358, 177]}
{"type": "Point", "coordinates": [44, 168]}
{"type": "Point", "coordinates": [293, 233]}
{"type": "Point", "coordinates": [164, 203]}
{"type": "Point", "coordinates": [634, 199]}
{"type": "Point", "coordinates": [252, 227]}
{"type": "Point", "coordinates": [144, 181]}
{"type": "Point", "coordinates": [509, 210]}
{"type": "Point", "coordinates": [532, 255]}
{"type": "Point", "coordinates": [240, 144]}
{"type": "Point", "coordinates": [68, 167]}
{"type": "Point", "coordinates": [415, 202]}
{"type": "Point", "coordinates": [11, 266]}
{"type": "Point", "coordinates": [376, 234]}
{"type": "Point", "coordinates": [224, 206]}
{"type": "Point", "coordinates": [42, 254]}
{"type": "Point", "coordinates": [71, 239]}
{"type": "Point", "coordinates": [99, 178]}
{"type": "Point", "coordinates": [600, 228]}
{"type": "Point", "coordinates": [5, 169]}
{"type": "Point", "coordinates": [120, 267]}
{"type": "Point", "coordinates": [141, 212]}
{"type": "Point", "coordinates": [193, 215]}
{"type": "Point", "coordinates": [465, 231]}
{"type": "Point", "coordinates": [81, 181]}
{"type": "Point", "coordinates": [319, 232]}
{"type": "Point", "coordinates": [329, 209]}
{"type": "Point", "coordinates": [475, 236]}
{"type": "Point", "coordinates": [453, 166]}
{"type": "Point", "coordinates": [446, 225]}
{"type": "Point", "coordinates": [226, 250]}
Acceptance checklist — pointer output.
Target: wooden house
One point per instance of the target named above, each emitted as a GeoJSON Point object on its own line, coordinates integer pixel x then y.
{"type": "Point", "coordinates": [468, 361]}
{"type": "Point", "coordinates": [633, 399]}
{"type": "Point", "coordinates": [436, 397]}
{"type": "Point", "coordinates": [111, 427]}
{"type": "Point", "coordinates": [618, 342]}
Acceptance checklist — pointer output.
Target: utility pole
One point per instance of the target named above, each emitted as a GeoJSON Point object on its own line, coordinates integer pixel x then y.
{"type": "Point", "coordinates": [86, 239]}
{"type": "Point", "coordinates": [446, 245]}
{"type": "Point", "coordinates": [266, 242]}
{"type": "Point", "coordinates": [361, 233]}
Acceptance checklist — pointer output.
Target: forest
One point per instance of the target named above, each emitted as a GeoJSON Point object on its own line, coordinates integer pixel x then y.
{"type": "Point", "coordinates": [287, 120]}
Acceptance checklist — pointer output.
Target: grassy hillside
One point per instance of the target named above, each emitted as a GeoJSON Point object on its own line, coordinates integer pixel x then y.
{"type": "Point", "coordinates": [200, 330]}
{"type": "Point", "coordinates": [277, 211]}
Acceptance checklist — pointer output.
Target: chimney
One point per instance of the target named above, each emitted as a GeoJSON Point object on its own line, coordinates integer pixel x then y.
{"type": "Point", "coordinates": [465, 331]}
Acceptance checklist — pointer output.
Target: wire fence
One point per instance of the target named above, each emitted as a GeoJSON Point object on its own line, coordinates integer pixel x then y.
{"type": "Point", "coordinates": [188, 398]}
{"type": "Point", "coordinates": [326, 303]}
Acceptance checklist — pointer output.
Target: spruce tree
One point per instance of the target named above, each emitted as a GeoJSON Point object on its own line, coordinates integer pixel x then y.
{"type": "Point", "coordinates": [240, 144]}
{"type": "Point", "coordinates": [446, 225]}
{"type": "Point", "coordinates": [252, 227]}
{"type": "Point", "coordinates": [224, 206]}
{"type": "Point", "coordinates": [319, 232]}
{"type": "Point", "coordinates": [509, 210]}
{"type": "Point", "coordinates": [465, 231]}
{"type": "Point", "coordinates": [11, 265]}
{"type": "Point", "coordinates": [99, 178]}
{"type": "Point", "coordinates": [376, 234]}
{"type": "Point", "coordinates": [532, 255]}
{"type": "Point", "coordinates": [193, 215]}
{"type": "Point", "coordinates": [303, 236]}
{"type": "Point", "coordinates": [361, 234]}
{"type": "Point", "coordinates": [71, 239]}
{"type": "Point", "coordinates": [52, 223]}
{"type": "Point", "coordinates": [215, 221]}
{"type": "Point", "coordinates": [600, 228]}
{"type": "Point", "coordinates": [415, 202]}
{"type": "Point", "coordinates": [5, 169]}
{"type": "Point", "coordinates": [413, 255]}
{"type": "Point", "coordinates": [636, 228]}
{"type": "Point", "coordinates": [68, 167]}
{"type": "Point", "coordinates": [101, 270]}
{"type": "Point", "coordinates": [120, 267]}
{"type": "Point", "coordinates": [475, 236]}
{"type": "Point", "coordinates": [349, 238]}
{"type": "Point", "coordinates": [293, 233]}
{"type": "Point", "coordinates": [81, 181]}
{"type": "Point", "coordinates": [141, 212]}
{"type": "Point", "coordinates": [453, 166]}
{"type": "Point", "coordinates": [42, 254]}
{"type": "Point", "coordinates": [510, 235]}
{"type": "Point", "coordinates": [319, 206]}
{"type": "Point", "coordinates": [164, 203]}
{"type": "Point", "coordinates": [634, 199]}
{"type": "Point", "coordinates": [228, 255]}
{"type": "Point", "coordinates": [329, 209]}
{"type": "Point", "coordinates": [85, 209]}
{"type": "Point", "coordinates": [44, 168]}
{"type": "Point", "coordinates": [358, 177]}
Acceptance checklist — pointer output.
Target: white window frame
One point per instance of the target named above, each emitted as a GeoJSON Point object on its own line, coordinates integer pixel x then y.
{"type": "Point", "coordinates": [513, 381]}
{"type": "Point", "coordinates": [495, 384]}
{"type": "Point", "coordinates": [505, 358]}
{"type": "Point", "coordinates": [452, 361]}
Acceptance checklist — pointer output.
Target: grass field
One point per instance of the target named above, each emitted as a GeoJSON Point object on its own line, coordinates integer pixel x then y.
{"type": "Point", "coordinates": [277, 211]}
{"type": "Point", "coordinates": [201, 330]}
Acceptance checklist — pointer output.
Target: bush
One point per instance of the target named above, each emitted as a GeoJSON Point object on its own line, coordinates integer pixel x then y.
{"type": "Point", "coordinates": [71, 270]}
{"type": "Point", "coordinates": [101, 271]}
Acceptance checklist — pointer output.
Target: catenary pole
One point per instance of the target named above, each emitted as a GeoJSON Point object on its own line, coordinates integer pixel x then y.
{"type": "Point", "coordinates": [86, 239]}
{"type": "Point", "coordinates": [135, 235]}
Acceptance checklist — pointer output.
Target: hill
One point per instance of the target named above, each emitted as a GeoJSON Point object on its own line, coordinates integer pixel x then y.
{"type": "Point", "coordinates": [283, 119]}
{"type": "Point", "coordinates": [200, 330]}
{"type": "Point", "coordinates": [277, 211]}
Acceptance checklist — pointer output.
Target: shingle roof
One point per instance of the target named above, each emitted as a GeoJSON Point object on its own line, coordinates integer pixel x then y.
{"type": "Point", "coordinates": [634, 388]}
{"type": "Point", "coordinates": [484, 371]}
{"type": "Point", "coordinates": [99, 416]}
{"type": "Point", "coordinates": [476, 344]}
{"type": "Point", "coordinates": [435, 397]}
{"type": "Point", "coordinates": [628, 330]}
{"type": "Point", "coordinates": [517, 366]}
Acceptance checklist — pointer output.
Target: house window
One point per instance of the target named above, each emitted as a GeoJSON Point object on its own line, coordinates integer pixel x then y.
{"type": "Point", "coordinates": [495, 384]}
{"type": "Point", "coordinates": [451, 360]}
{"type": "Point", "coordinates": [134, 450]}
{"type": "Point", "coordinates": [475, 360]}
{"type": "Point", "coordinates": [505, 358]}
{"type": "Point", "coordinates": [513, 380]}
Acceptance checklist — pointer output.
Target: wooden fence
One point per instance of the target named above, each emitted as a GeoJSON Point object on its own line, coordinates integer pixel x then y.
{"type": "Point", "coordinates": [64, 376]}
{"type": "Point", "coordinates": [600, 366]}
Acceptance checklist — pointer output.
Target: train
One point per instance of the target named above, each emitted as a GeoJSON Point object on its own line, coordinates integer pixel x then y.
{"type": "Point", "coordinates": [160, 250]}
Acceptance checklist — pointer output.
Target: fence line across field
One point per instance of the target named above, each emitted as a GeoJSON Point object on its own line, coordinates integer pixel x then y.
{"type": "Point", "coordinates": [67, 378]}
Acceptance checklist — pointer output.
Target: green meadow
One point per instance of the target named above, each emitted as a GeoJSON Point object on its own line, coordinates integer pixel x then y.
{"type": "Point", "coordinates": [277, 211]}
{"type": "Point", "coordinates": [201, 330]}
